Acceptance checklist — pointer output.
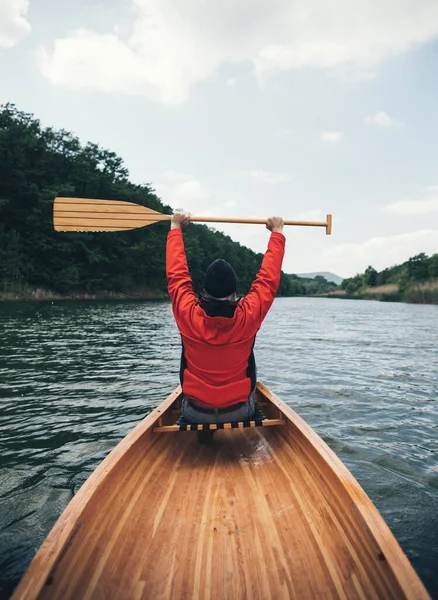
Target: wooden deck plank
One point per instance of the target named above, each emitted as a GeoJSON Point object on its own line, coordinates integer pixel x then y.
{"type": "Point", "coordinates": [250, 526]}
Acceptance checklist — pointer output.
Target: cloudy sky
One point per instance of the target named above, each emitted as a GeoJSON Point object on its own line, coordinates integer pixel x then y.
{"type": "Point", "coordinates": [251, 108]}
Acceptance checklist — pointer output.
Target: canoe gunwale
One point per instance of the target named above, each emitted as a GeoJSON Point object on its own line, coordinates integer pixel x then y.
{"type": "Point", "coordinates": [63, 531]}
{"type": "Point", "coordinates": [386, 546]}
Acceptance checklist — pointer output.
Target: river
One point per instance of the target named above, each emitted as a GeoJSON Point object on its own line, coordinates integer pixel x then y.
{"type": "Point", "coordinates": [75, 377]}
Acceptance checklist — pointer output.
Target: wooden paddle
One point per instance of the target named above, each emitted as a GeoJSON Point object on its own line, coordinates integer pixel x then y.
{"type": "Point", "coordinates": [89, 214]}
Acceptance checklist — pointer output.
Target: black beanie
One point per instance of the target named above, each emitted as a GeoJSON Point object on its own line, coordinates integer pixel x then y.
{"type": "Point", "coordinates": [220, 279]}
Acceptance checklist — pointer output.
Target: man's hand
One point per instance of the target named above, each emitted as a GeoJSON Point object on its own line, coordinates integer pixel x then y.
{"type": "Point", "coordinates": [275, 224]}
{"type": "Point", "coordinates": [179, 220]}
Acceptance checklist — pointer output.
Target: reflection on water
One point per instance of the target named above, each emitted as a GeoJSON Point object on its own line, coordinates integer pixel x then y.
{"type": "Point", "coordinates": [75, 377]}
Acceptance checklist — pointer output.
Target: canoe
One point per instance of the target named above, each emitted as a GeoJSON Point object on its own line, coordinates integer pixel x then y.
{"type": "Point", "coordinates": [265, 512]}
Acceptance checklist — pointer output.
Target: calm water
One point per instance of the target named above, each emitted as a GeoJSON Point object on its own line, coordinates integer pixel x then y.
{"type": "Point", "coordinates": [75, 377]}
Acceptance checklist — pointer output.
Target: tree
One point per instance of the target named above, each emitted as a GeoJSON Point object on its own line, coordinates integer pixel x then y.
{"type": "Point", "coordinates": [370, 276]}
{"type": "Point", "coordinates": [433, 266]}
{"type": "Point", "coordinates": [320, 280]}
{"type": "Point", "coordinates": [418, 267]}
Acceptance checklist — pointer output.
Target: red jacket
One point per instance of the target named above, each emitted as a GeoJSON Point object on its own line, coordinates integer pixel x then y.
{"type": "Point", "coordinates": [217, 349]}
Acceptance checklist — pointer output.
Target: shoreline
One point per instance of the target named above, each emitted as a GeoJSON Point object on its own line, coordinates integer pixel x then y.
{"type": "Point", "coordinates": [42, 294]}
{"type": "Point", "coordinates": [26, 294]}
{"type": "Point", "coordinates": [397, 298]}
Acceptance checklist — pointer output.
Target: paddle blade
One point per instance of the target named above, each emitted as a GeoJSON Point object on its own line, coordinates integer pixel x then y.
{"type": "Point", "coordinates": [89, 214]}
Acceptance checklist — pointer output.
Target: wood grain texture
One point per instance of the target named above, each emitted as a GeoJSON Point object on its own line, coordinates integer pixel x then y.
{"type": "Point", "coordinates": [328, 230]}
{"type": "Point", "coordinates": [88, 214]}
{"type": "Point", "coordinates": [261, 513]}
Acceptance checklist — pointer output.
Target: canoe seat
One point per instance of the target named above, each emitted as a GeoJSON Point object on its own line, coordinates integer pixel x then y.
{"type": "Point", "coordinates": [259, 420]}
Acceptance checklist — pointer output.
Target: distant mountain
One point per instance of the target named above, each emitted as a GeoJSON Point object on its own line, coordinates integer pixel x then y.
{"type": "Point", "coordinates": [329, 276]}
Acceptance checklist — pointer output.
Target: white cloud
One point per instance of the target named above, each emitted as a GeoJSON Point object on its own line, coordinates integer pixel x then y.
{"type": "Point", "coordinates": [380, 252]}
{"type": "Point", "coordinates": [175, 44]}
{"type": "Point", "coordinates": [13, 23]}
{"type": "Point", "coordinates": [425, 203]}
{"type": "Point", "coordinates": [332, 136]}
{"type": "Point", "coordinates": [381, 119]}
{"type": "Point", "coordinates": [181, 190]}
{"type": "Point", "coordinates": [259, 176]}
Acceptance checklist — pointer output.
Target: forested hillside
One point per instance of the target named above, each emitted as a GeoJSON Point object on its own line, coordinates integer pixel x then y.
{"type": "Point", "coordinates": [36, 165]}
{"type": "Point", "coordinates": [416, 280]}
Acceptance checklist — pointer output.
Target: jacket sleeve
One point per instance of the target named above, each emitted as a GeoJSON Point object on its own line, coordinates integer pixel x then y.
{"type": "Point", "coordinates": [265, 286]}
{"type": "Point", "coordinates": [179, 282]}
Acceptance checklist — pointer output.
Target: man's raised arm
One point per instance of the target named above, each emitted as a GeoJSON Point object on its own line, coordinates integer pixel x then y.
{"type": "Point", "coordinates": [266, 284]}
{"type": "Point", "coordinates": [179, 282]}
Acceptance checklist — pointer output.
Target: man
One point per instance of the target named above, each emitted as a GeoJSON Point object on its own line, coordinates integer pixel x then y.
{"type": "Point", "coordinates": [218, 372]}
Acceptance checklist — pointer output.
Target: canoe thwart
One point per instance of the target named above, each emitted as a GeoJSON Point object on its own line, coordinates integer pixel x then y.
{"type": "Point", "coordinates": [259, 420]}
{"type": "Point", "coordinates": [213, 426]}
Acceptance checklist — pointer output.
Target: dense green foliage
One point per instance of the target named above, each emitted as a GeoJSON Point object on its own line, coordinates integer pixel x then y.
{"type": "Point", "coordinates": [416, 279]}
{"type": "Point", "coordinates": [304, 286]}
{"type": "Point", "coordinates": [36, 165]}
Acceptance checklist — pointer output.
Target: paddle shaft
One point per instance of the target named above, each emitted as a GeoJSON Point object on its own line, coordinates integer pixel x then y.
{"type": "Point", "coordinates": [327, 224]}
{"type": "Point", "coordinates": [253, 221]}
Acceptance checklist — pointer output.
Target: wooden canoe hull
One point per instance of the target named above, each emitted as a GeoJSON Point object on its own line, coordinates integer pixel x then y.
{"type": "Point", "coordinates": [266, 512]}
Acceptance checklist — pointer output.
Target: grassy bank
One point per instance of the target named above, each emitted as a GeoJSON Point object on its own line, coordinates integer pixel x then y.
{"type": "Point", "coordinates": [25, 292]}
{"type": "Point", "coordinates": [426, 293]}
